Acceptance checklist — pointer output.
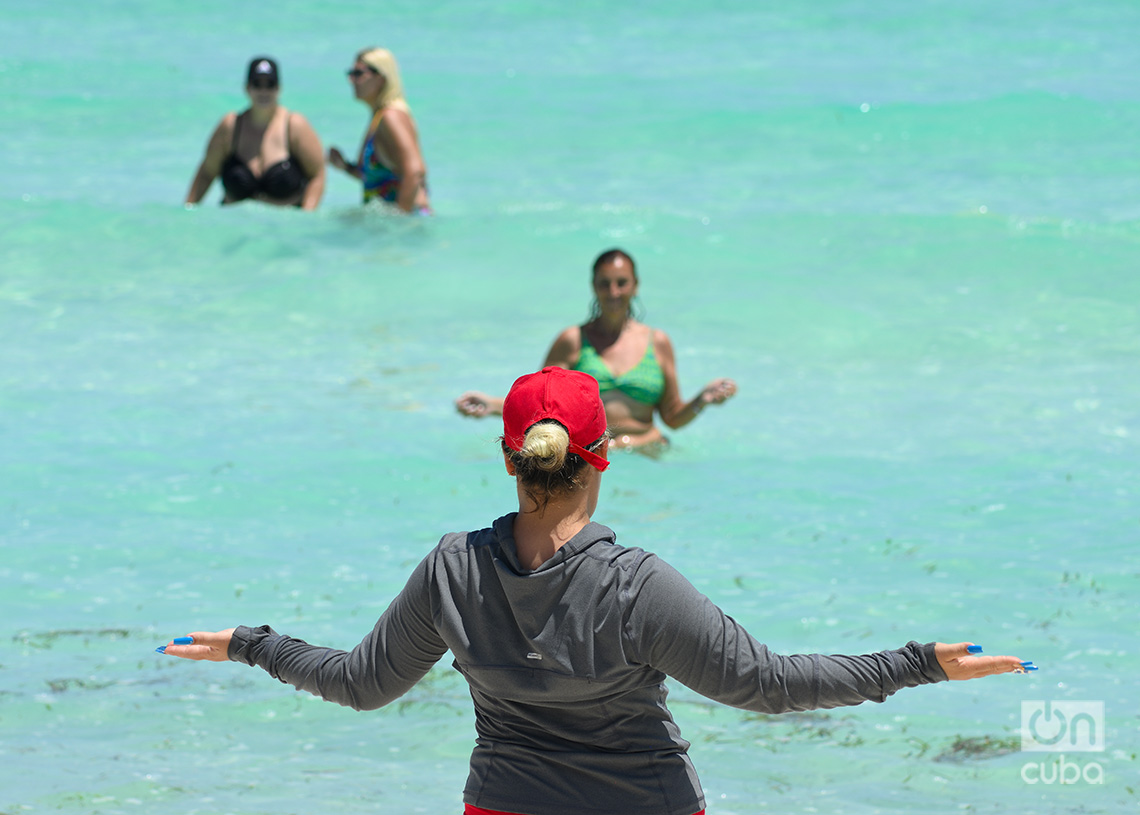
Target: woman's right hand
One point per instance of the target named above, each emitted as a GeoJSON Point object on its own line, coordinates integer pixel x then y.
{"type": "Point", "coordinates": [475, 404]}
{"type": "Point", "coordinates": [336, 159]}
{"type": "Point", "coordinates": [961, 661]}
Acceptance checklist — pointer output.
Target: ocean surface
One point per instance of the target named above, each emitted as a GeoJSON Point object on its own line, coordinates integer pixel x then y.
{"type": "Point", "coordinates": [909, 231]}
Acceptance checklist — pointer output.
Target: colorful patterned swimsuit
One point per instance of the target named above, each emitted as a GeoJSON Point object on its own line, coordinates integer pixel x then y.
{"type": "Point", "coordinates": [380, 181]}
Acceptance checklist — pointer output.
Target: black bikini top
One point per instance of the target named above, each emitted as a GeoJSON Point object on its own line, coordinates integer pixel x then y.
{"type": "Point", "coordinates": [281, 180]}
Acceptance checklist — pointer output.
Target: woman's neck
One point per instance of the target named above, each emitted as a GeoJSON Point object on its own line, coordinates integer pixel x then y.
{"type": "Point", "coordinates": [604, 332]}
{"type": "Point", "coordinates": [262, 116]}
{"type": "Point", "coordinates": [541, 531]}
{"type": "Point", "coordinates": [606, 327]}
{"type": "Point", "coordinates": [374, 103]}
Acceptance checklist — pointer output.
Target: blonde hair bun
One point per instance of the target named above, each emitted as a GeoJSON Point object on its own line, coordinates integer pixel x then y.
{"type": "Point", "coordinates": [547, 443]}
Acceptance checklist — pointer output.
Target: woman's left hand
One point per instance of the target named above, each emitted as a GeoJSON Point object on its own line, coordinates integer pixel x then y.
{"type": "Point", "coordinates": [203, 645]}
{"type": "Point", "coordinates": [960, 662]}
{"type": "Point", "coordinates": [718, 391]}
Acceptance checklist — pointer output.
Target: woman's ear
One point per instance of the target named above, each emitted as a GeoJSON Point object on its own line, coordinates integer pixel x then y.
{"type": "Point", "coordinates": [510, 467]}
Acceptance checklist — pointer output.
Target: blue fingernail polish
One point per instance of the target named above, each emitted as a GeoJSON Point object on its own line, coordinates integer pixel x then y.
{"type": "Point", "coordinates": [973, 649]}
{"type": "Point", "coordinates": [161, 649]}
{"type": "Point", "coordinates": [183, 640]}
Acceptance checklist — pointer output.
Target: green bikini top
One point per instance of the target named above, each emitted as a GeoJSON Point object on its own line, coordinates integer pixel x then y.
{"type": "Point", "coordinates": [644, 383]}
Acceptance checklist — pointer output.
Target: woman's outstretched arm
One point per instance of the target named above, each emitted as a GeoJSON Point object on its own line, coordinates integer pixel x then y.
{"type": "Point", "coordinates": [674, 410]}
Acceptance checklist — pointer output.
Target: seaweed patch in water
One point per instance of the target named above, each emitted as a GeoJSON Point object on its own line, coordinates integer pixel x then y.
{"type": "Point", "coordinates": [784, 728]}
{"type": "Point", "coordinates": [61, 685]}
{"type": "Point", "coordinates": [45, 639]}
{"type": "Point", "coordinates": [974, 747]}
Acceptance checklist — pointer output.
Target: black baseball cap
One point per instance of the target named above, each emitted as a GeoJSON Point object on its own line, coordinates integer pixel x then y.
{"type": "Point", "coordinates": [262, 68]}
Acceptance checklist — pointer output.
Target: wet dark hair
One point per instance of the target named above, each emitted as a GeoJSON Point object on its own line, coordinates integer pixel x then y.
{"type": "Point", "coordinates": [545, 466]}
{"type": "Point", "coordinates": [609, 256]}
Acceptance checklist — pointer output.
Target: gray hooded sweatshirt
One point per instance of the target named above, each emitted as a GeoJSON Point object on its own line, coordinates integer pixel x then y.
{"type": "Point", "coordinates": [567, 663]}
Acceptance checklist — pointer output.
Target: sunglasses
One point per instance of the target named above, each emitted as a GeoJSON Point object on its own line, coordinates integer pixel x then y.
{"type": "Point", "coordinates": [356, 73]}
{"type": "Point", "coordinates": [263, 84]}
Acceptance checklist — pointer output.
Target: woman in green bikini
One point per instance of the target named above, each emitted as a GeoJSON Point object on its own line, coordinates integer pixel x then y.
{"type": "Point", "coordinates": [614, 341]}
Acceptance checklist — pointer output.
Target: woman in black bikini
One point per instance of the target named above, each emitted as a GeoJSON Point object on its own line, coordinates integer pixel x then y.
{"type": "Point", "coordinates": [266, 152]}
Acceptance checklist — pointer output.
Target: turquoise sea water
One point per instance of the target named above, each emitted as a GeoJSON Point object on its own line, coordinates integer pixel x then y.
{"type": "Point", "coordinates": [909, 231]}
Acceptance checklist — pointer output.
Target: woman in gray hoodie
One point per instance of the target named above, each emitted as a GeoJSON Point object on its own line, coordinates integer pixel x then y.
{"type": "Point", "coordinates": [566, 637]}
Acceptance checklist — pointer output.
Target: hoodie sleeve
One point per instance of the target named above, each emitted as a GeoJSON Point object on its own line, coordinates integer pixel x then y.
{"type": "Point", "coordinates": [402, 647]}
{"type": "Point", "coordinates": [679, 631]}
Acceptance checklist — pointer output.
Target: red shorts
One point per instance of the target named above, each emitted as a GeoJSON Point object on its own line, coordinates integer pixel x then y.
{"type": "Point", "coordinates": [472, 810]}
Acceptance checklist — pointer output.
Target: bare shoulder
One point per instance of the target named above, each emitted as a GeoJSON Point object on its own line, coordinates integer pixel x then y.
{"type": "Point", "coordinates": [571, 334]}
{"type": "Point", "coordinates": [663, 350]}
{"type": "Point", "coordinates": [661, 341]}
{"type": "Point", "coordinates": [566, 348]}
{"type": "Point", "coordinates": [222, 137]}
{"type": "Point", "coordinates": [226, 125]}
{"type": "Point", "coordinates": [395, 121]}
{"type": "Point", "coordinates": [299, 127]}
{"type": "Point", "coordinates": [396, 115]}
{"type": "Point", "coordinates": [297, 119]}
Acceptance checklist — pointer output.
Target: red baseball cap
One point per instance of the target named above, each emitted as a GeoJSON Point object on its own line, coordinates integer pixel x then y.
{"type": "Point", "coordinates": [571, 398]}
